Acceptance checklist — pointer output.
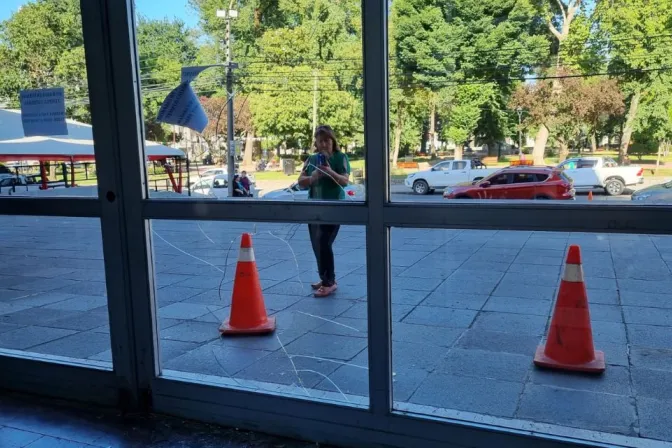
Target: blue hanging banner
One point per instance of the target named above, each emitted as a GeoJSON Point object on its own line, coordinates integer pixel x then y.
{"type": "Point", "coordinates": [43, 112]}
{"type": "Point", "coordinates": [182, 108]}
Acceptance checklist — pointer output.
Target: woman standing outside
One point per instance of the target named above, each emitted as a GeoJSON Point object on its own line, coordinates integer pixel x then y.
{"type": "Point", "coordinates": [325, 173]}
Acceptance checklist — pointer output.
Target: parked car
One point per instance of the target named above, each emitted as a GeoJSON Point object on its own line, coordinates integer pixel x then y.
{"type": "Point", "coordinates": [661, 193]}
{"type": "Point", "coordinates": [445, 174]}
{"type": "Point", "coordinates": [590, 173]}
{"type": "Point", "coordinates": [294, 192]}
{"type": "Point", "coordinates": [517, 183]}
{"type": "Point", "coordinates": [217, 186]}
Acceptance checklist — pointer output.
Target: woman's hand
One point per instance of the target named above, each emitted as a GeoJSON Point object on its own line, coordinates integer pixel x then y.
{"type": "Point", "coordinates": [340, 179]}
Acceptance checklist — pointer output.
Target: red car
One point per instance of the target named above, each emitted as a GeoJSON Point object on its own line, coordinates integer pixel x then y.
{"type": "Point", "coordinates": [517, 183]}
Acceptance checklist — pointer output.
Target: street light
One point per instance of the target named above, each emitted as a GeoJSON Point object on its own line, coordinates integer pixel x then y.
{"type": "Point", "coordinates": [229, 14]}
{"type": "Point", "coordinates": [520, 131]}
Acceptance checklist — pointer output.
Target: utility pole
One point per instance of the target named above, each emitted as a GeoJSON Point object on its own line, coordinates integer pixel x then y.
{"type": "Point", "coordinates": [520, 132]}
{"type": "Point", "coordinates": [314, 101]}
{"type": "Point", "coordinates": [230, 144]}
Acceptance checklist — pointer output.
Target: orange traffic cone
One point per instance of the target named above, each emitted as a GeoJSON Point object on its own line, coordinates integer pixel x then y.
{"type": "Point", "coordinates": [569, 345]}
{"type": "Point", "coordinates": [248, 312]}
{"type": "Point", "coordinates": [590, 195]}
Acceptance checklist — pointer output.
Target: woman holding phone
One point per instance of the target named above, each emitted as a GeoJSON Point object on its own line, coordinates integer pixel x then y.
{"type": "Point", "coordinates": [325, 173]}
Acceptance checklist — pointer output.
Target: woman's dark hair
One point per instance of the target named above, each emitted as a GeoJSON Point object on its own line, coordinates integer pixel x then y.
{"type": "Point", "coordinates": [326, 131]}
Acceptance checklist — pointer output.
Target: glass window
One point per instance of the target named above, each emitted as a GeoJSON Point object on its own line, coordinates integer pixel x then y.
{"type": "Point", "coordinates": [459, 165]}
{"type": "Point", "coordinates": [588, 163]}
{"type": "Point", "coordinates": [499, 179]}
{"type": "Point", "coordinates": [296, 70]}
{"type": "Point", "coordinates": [42, 47]}
{"type": "Point", "coordinates": [53, 296]}
{"type": "Point", "coordinates": [319, 348]}
{"type": "Point", "coordinates": [472, 310]}
{"type": "Point", "coordinates": [522, 178]}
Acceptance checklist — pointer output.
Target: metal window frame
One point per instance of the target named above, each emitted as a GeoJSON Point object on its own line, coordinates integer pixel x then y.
{"type": "Point", "coordinates": [136, 378]}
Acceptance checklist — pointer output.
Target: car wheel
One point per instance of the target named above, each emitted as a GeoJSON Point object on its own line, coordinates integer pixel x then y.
{"type": "Point", "coordinates": [541, 197]}
{"type": "Point", "coordinates": [420, 187]}
{"type": "Point", "coordinates": [614, 187]}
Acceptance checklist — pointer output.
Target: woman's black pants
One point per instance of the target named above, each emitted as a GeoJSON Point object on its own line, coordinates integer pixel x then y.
{"type": "Point", "coordinates": [322, 237]}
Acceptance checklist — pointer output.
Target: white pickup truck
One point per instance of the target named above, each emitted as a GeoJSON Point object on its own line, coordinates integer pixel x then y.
{"type": "Point", "coordinates": [590, 173]}
{"type": "Point", "coordinates": [447, 174]}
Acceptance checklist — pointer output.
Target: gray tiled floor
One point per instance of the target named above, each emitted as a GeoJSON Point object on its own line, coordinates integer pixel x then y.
{"type": "Point", "coordinates": [469, 309]}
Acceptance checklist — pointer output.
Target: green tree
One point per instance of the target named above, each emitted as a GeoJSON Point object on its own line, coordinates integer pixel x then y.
{"type": "Point", "coordinates": [285, 49]}
{"type": "Point", "coordinates": [636, 33]}
{"type": "Point", "coordinates": [41, 45]}
{"type": "Point", "coordinates": [442, 45]}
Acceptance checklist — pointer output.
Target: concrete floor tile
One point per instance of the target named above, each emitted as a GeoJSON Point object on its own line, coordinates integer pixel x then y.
{"type": "Point", "coordinates": [511, 323]}
{"type": "Point", "coordinates": [341, 348]}
{"type": "Point", "coordinates": [26, 337]}
{"type": "Point", "coordinates": [614, 380]}
{"type": "Point", "coordinates": [17, 438]}
{"type": "Point", "coordinates": [425, 334]}
{"type": "Point", "coordinates": [328, 307]}
{"type": "Point", "coordinates": [416, 356]}
{"type": "Point", "coordinates": [485, 364]}
{"type": "Point", "coordinates": [651, 358]}
{"type": "Point", "coordinates": [440, 317]}
{"type": "Point", "coordinates": [652, 383]}
{"type": "Point", "coordinates": [185, 311]}
{"type": "Point", "coordinates": [37, 316]}
{"type": "Point", "coordinates": [578, 409]}
{"type": "Point", "coordinates": [191, 332]}
{"type": "Point", "coordinates": [215, 359]}
{"type": "Point", "coordinates": [518, 306]}
{"type": "Point", "coordinates": [453, 300]}
{"type": "Point", "coordinates": [408, 297]}
{"type": "Point", "coordinates": [648, 316]}
{"type": "Point", "coordinates": [646, 299]}
{"type": "Point", "coordinates": [514, 289]}
{"type": "Point", "coordinates": [277, 368]}
{"type": "Point", "coordinates": [481, 395]}
{"type": "Point", "coordinates": [497, 341]}
{"type": "Point", "coordinates": [80, 345]}
{"type": "Point", "coordinates": [605, 313]}
{"type": "Point", "coordinates": [79, 303]}
{"type": "Point", "coordinates": [654, 418]}
{"type": "Point", "coordinates": [650, 336]}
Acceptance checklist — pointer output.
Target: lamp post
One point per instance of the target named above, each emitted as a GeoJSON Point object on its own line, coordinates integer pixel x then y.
{"type": "Point", "coordinates": [231, 157]}
{"type": "Point", "coordinates": [520, 131]}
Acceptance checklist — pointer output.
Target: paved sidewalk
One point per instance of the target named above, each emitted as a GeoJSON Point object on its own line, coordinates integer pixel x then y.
{"type": "Point", "coordinates": [469, 309]}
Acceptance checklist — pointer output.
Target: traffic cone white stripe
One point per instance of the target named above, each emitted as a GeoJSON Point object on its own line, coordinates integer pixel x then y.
{"type": "Point", "coordinates": [246, 254]}
{"type": "Point", "coordinates": [573, 273]}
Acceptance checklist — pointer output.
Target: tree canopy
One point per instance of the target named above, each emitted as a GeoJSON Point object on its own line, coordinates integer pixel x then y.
{"type": "Point", "coordinates": [459, 69]}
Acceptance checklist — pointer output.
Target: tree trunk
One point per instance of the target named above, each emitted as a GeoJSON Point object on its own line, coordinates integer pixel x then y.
{"type": "Point", "coordinates": [564, 150]}
{"type": "Point", "coordinates": [493, 148]}
{"type": "Point", "coordinates": [249, 149]}
{"type": "Point", "coordinates": [458, 151]}
{"type": "Point", "coordinates": [629, 126]}
{"type": "Point", "coordinates": [432, 126]}
{"type": "Point", "coordinates": [397, 136]}
{"type": "Point", "coordinates": [540, 145]}
{"type": "Point", "coordinates": [593, 141]}
{"type": "Point", "coordinates": [660, 152]}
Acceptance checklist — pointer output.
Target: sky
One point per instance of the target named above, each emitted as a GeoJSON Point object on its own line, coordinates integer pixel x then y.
{"type": "Point", "coordinates": [153, 9]}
